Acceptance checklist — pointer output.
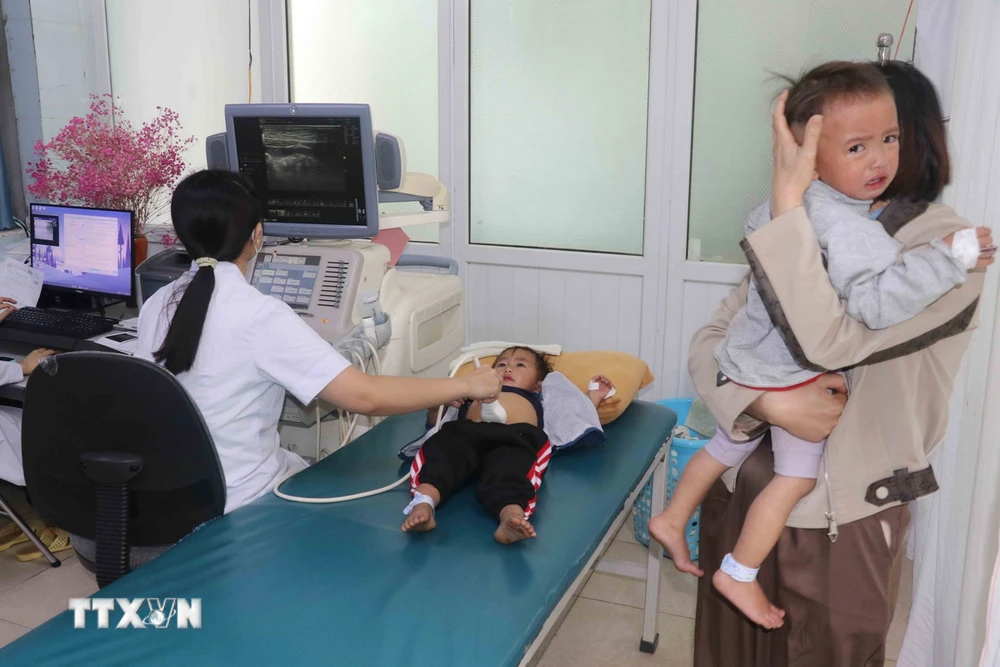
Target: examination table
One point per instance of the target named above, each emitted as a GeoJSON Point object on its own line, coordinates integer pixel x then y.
{"type": "Point", "coordinates": [288, 584]}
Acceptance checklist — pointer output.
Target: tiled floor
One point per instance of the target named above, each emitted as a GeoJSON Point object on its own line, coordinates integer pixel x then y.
{"type": "Point", "coordinates": [602, 627]}
{"type": "Point", "coordinates": [32, 593]}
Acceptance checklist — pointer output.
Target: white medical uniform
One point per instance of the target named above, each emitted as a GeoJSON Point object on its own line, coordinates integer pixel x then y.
{"type": "Point", "coordinates": [252, 349]}
{"type": "Point", "coordinates": [11, 468]}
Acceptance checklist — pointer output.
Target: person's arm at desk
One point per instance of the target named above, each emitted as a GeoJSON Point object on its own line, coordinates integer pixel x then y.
{"type": "Point", "coordinates": [15, 371]}
{"type": "Point", "coordinates": [30, 362]}
{"type": "Point", "coordinates": [12, 372]}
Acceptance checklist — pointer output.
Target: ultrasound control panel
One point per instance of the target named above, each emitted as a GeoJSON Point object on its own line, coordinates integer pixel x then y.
{"type": "Point", "coordinates": [290, 278]}
{"type": "Point", "coordinates": [321, 284]}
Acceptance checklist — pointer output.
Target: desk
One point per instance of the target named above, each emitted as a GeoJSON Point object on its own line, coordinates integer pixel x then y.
{"type": "Point", "coordinates": [15, 351]}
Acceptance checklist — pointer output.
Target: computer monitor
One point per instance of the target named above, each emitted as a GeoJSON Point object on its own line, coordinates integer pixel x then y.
{"type": "Point", "coordinates": [83, 250]}
{"type": "Point", "coordinates": [312, 165]}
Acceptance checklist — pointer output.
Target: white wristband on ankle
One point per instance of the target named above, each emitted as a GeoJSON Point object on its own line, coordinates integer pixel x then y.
{"type": "Point", "coordinates": [965, 247]}
{"type": "Point", "coordinates": [738, 572]}
{"type": "Point", "coordinates": [417, 499]}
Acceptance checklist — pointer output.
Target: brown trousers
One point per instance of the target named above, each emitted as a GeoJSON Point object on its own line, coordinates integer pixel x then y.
{"type": "Point", "coordinates": [838, 597]}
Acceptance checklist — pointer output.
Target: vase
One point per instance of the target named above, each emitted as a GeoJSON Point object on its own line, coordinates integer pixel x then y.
{"type": "Point", "coordinates": [140, 249]}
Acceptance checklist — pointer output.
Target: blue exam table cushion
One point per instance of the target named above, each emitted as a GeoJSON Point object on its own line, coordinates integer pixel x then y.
{"type": "Point", "coordinates": [290, 584]}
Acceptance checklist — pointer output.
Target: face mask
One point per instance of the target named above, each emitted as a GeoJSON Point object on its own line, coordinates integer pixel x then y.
{"type": "Point", "coordinates": [253, 260]}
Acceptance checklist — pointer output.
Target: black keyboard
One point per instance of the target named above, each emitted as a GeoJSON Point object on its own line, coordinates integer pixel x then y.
{"type": "Point", "coordinates": [58, 323]}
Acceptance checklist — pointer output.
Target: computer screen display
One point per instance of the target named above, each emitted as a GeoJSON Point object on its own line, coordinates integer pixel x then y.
{"type": "Point", "coordinates": [312, 165]}
{"type": "Point", "coordinates": [83, 249]}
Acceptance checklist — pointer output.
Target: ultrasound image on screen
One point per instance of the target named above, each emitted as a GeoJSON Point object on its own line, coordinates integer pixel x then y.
{"type": "Point", "coordinates": [304, 157]}
{"type": "Point", "coordinates": [45, 229]}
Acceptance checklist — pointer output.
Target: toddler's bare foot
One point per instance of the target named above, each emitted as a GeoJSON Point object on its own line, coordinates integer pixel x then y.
{"type": "Point", "coordinates": [671, 536]}
{"type": "Point", "coordinates": [750, 599]}
{"type": "Point", "coordinates": [420, 519]}
{"type": "Point", "coordinates": [513, 526]}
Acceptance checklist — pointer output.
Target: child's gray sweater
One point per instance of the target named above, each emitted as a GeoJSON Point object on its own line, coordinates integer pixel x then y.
{"type": "Point", "coordinates": [879, 284]}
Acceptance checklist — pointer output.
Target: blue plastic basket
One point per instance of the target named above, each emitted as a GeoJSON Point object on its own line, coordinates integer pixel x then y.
{"type": "Point", "coordinates": [681, 451]}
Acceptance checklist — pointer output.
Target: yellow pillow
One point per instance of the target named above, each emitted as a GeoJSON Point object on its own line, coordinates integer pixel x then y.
{"type": "Point", "coordinates": [627, 372]}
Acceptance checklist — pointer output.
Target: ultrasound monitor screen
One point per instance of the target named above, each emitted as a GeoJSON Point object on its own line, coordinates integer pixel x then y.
{"type": "Point", "coordinates": [307, 170]}
{"type": "Point", "coordinates": [305, 158]}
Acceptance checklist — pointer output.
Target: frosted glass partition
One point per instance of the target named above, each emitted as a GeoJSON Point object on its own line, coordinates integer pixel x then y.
{"type": "Point", "coordinates": [558, 97]}
{"type": "Point", "coordinates": [739, 45]}
{"type": "Point", "coordinates": [188, 55]}
{"type": "Point", "coordinates": [378, 52]}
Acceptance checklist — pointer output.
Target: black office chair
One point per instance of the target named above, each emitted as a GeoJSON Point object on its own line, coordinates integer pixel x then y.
{"type": "Point", "coordinates": [115, 451]}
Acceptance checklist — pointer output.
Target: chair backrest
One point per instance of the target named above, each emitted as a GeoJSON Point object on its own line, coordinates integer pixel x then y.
{"type": "Point", "coordinates": [82, 405]}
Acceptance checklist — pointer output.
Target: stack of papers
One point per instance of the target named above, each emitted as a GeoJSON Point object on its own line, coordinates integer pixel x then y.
{"type": "Point", "coordinates": [20, 282]}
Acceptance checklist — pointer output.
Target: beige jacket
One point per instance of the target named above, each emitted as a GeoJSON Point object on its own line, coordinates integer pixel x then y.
{"type": "Point", "coordinates": [900, 378]}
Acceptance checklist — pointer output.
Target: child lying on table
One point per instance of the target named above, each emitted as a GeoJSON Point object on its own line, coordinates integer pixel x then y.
{"type": "Point", "coordinates": [503, 440]}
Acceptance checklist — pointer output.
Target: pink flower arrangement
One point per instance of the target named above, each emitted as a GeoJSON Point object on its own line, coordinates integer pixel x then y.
{"type": "Point", "coordinates": [100, 160]}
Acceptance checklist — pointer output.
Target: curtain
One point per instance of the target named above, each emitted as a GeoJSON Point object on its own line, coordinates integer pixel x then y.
{"type": "Point", "coordinates": [991, 649]}
{"type": "Point", "coordinates": [936, 47]}
{"type": "Point", "coordinates": [957, 528]}
{"type": "Point", "coordinates": [6, 216]}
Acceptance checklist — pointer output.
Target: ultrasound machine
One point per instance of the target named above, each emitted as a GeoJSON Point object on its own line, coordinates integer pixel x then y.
{"type": "Point", "coordinates": [320, 172]}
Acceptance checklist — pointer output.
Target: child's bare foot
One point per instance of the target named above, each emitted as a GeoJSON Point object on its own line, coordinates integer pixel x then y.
{"type": "Point", "coordinates": [750, 599]}
{"type": "Point", "coordinates": [513, 526]}
{"type": "Point", "coordinates": [420, 519]}
{"type": "Point", "coordinates": [671, 536]}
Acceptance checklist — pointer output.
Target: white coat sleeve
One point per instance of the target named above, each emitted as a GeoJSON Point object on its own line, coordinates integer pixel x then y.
{"type": "Point", "coordinates": [294, 356]}
{"type": "Point", "coordinates": [10, 372]}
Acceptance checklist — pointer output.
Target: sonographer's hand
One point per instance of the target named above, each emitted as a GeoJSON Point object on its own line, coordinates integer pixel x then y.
{"type": "Point", "coordinates": [7, 306]}
{"type": "Point", "coordinates": [483, 384]}
{"type": "Point", "coordinates": [30, 362]}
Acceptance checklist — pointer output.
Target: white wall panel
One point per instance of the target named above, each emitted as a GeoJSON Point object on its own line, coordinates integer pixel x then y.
{"type": "Point", "coordinates": [577, 309]}
{"type": "Point", "coordinates": [701, 300]}
{"type": "Point", "coordinates": [604, 315]}
{"type": "Point", "coordinates": [552, 294]}
{"type": "Point", "coordinates": [524, 319]}
{"type": "Point", "coordinates": [630, 296]}
{"type": "Point", "coordinates": [477, 311]}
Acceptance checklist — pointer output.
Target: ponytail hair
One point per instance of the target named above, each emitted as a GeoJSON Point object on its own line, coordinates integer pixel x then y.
{"type": "Point", "coordinates": [214, 214]}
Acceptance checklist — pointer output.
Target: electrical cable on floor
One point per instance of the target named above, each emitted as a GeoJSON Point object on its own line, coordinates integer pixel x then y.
{"type": "Point", "coordinates": [319, 433]}
{"type": "Point", "coordinates": [374, 492]}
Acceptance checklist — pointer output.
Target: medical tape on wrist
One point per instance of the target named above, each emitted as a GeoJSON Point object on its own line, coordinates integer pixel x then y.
{"type": "Point", "coordinates": [417, 499]}
{"type": "Point", "coordinates": [594, 386]}
{"type": "Point", "coordinates": [738, 572]}
{"type": "Point", "coordinates": [965, 247]}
